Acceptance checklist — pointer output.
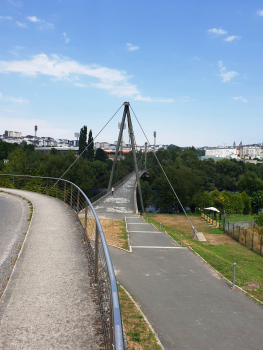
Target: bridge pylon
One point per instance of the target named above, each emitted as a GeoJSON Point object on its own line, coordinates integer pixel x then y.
{"type": "Point", "coordinates": [126, 113]}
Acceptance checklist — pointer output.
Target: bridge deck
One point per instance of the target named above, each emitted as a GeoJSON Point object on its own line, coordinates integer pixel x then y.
{"type": "Point", "coordinates": [49, 303]}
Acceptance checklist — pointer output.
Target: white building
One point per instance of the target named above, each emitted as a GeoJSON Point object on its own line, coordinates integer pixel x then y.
{"type": "Point", "coordinates": [221, 152]}
{"type": "Point", "coordinates": [12, 133]}
{"type": "Point", "coordinates": [250, 152]}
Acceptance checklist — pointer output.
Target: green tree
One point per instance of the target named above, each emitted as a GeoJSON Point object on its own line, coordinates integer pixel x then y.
{"type": "Point", "coordinates": [259, 219]}
{"type": "Point", "coordinates": [247, 202]}
{"type": "Point", "coordinates": [257, 200]}
{"type": "Point", "coordinates": [90, 155]}
{"type": "Point", "coordinates": [83, 141]}
{"type": "Point", "coordinates": [101, 155]}
{"type": "Point", "coordinates": [249, 183]}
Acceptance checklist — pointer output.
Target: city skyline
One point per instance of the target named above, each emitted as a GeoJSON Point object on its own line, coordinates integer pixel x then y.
{"type": "Point", "coordinates": [191, 72]}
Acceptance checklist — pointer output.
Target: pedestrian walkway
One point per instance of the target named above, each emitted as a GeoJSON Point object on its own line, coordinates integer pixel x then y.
{"type": "Point", "coordinates": [120, 204]}
{"type": "Point", "coordinates": [49, 302]}
{"type": "Point", "coordinates": [187, 303]}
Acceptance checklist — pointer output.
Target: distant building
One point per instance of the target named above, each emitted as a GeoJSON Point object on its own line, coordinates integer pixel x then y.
{"type": "Point", "coordinates": [249, 152]}
{"type": "Point", "coordinates": [221, 152]}
{"type": "Point", "coordinates": [12, 134]}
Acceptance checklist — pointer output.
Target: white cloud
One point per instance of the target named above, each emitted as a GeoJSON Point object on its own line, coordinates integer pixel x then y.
{"type": "Point", "coordinates": [232, 37]}
{"type": "Point", "coordinates": [240, 98]}
{"type": "Point", "coordinates": [9, 18]}
{"type": "Point", "coordinates": [12, 99]}
{"type": "Point", "coordinates": [195, 58]}
{"type": "Point", "coordinates": [149, 99]}
{"type": "Point", "coordinates": [260, 12]}
{"type": "Point", "coordinates": [19, 24]}
{"type": "Point", "coordinates": [26, 126]}
{"type": "Point", "coordinates": [17, 49]}
{"type": "Point", "coordinates": [66, 38]}
{"type": "Point", "coordinates": [80, 85]}
{"type": "Point", "coordinates": [33, 19]}
{"type": "Point", "coordinates": [42, 22]}
{"type": "Point", "coordinates": [115, 81]}
{"type": "Point", "coordinates": [15, 3]}
{"type": "Point", "coordinates": [224, 74]}
{"type": "Point", "coordinates": [218, 31]}
{"type": "Point", "coordinates": [131, 47]}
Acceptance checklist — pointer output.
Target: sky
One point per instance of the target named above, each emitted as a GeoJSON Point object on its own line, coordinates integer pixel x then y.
{"type": "Point", "coordinates": [191, 70]}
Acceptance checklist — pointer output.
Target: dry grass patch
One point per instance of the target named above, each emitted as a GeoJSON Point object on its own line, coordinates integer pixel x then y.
{"type": "Point", "coordinates": [114, 232]}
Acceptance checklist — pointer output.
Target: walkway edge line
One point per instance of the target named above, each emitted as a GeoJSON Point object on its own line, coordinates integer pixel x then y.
{"type": "Point", "coordinates": [144, 317]}
{"type": "Point", "coordinates": [128, 235]}
{"type": "Point", "coordinates": [114, 246]}
{"type": "Point", "coordinates": [222, 276]}
{"type": "Point", "coordinates": [24, 241]}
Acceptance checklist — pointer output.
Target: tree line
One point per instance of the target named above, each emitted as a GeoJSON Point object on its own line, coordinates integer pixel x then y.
{"type": "Point", "coordinates": [197, 183]}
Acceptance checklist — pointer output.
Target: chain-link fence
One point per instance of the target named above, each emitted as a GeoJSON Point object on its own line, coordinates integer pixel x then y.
{"type": "Point", "coordinates": [99, 256]}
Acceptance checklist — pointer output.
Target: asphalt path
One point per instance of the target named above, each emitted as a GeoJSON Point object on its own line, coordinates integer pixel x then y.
{"type": "Point", "coordinates": [13, 220]}
{"type": "Point", "coordinates": [14, 213]}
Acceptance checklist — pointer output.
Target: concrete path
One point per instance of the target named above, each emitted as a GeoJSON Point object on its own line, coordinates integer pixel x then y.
{"type": "Point", "coordinates": [12, 229]}
{"type": "Point", "coordinates": [49, 303]}
{"type": "Point", "coordinates": [187, 303]}
{"type": "Point", "coordinates": [120, 204]}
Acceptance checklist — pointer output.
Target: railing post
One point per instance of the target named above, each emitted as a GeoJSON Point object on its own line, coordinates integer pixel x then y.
{"type": "Point", "coordinates": [71, 193]}
{"type": "Point", "coordinates": [234, 276]}
{"type": "Point", "coordinates": [47, 187]}
{"type": "Point", "coordinates": [252, 240]}
{"type": "Point", "coordinates": [96, 254]}
{"type": "Point", "coordinates": [57, 189]}
{"type": "Point", "coordinates": [160, 227]}
{"type": "Point", "coordinates": [13, 182]}
{"type": "Point", "coordinates": [111, 327]}
{"type": "Point", "coordinates": [25, 183]}
{"type": "Point", "coordinates": [233, 230]}
{"type": "Point", "coordinates": [147, 219]}
{"type": "Point", "coordinates": [65, 184]}
{"type": "Point", "coordinates": [181, 240]}
{"type": "Point", "coordinates": [261, 245]}
{"type": "Point", "coordinates": [239, 234]}
{"type": "Point", "coordinates": [36, 185]}
{"type": "Point", "coordinates": [78, 203]}
{"type": "Point", "coordinates": [245, 237]}
{"type": "Point", "coordinates": [228, 228]}
{"type": "Point", "coordinates": [86, 215]}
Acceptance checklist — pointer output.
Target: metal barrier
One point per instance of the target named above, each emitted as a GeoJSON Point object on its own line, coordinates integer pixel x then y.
{"type": "Point", "coordinates": [100, 259]}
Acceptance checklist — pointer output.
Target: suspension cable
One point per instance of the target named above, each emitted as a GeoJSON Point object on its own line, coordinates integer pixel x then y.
{"type": "Point", "coordinates": [88, 144]}
{"type": "Point", "coordinates": [194, 230]}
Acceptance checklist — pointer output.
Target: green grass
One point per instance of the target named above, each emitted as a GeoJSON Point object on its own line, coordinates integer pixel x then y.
{"type": "Point", "coordinates": [221, 257]}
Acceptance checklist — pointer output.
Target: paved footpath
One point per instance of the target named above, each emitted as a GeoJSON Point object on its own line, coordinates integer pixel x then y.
{"type": "Point", "coordinates": [187, 303]}
{"type": "Point", "coordinates": [49, 303]}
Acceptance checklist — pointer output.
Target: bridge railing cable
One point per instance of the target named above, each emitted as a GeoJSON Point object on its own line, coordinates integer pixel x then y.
{"type": "Point", "coordinates": [98, 253]}
{"type": "Point", "coordinates": [194, 230]}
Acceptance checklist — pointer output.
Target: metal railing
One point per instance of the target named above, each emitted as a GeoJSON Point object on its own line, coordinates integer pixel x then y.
{"type": "Point", "coordinates": [99, 256]}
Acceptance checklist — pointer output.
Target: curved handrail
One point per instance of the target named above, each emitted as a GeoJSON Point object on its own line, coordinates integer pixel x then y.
{"type": "Point", "coordinates": [117, 340]}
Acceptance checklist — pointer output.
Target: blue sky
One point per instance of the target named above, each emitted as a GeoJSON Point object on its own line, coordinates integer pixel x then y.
{"type": "Point", "coordinates": [192, 71]}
